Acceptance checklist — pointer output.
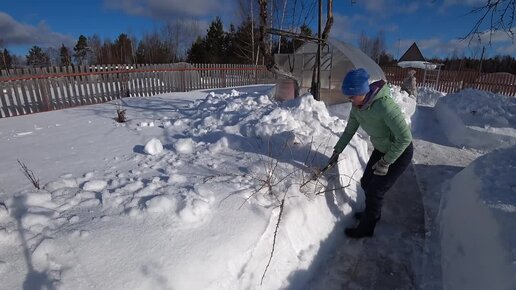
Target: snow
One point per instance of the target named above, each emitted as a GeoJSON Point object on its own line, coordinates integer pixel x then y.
{"type": "Point", "coordinates": [428, 97]}
{"type": "Point", "coordinates": [153, 147]}
{"type": "Point", "coordinates": [475, 218]}
{"type": "Point", "coordinates": [478, 119]}
{"type": "Point", "coordinates": [417, 64]}
{"type": "Point", "coordinates": [187, 193]}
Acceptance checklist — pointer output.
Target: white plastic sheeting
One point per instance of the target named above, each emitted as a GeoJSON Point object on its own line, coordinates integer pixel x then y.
{"type": "Point", "coordinates": [337, 58]}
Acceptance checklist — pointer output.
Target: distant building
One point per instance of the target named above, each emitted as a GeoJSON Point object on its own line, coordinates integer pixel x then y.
{"type": "Point", "coordinates": [413, 58]}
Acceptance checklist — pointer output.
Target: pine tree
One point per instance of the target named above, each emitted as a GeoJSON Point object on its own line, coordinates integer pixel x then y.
{"type": "Point", "coordinates": [5, 59]}
{"type": "Point", "coordinates": [81, 50]}
{"type": "Point", "coordinates": [37, 58]}
{"type": "Point", "coordinates": [151, 49]}
{"type": "Point", "coordinates": [216, 42]}
{"type": "Point", "coordinates": [241, 45]}
{"type": "Point", "coordinates": [123, 49]}
{"type": "Point", "coordinates": [64, 55]}
{"type": "Point", "coordinates": [197, 52]}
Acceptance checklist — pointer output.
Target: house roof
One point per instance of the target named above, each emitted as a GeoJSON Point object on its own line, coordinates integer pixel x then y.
{"type": "Point", "coordinates": [412, 54]}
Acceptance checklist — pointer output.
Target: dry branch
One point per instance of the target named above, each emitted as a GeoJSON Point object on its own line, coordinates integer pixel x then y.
{"type": "Point", "coordinates": [282, 205]}
{"type": "Point", "coordinates": [120, 114]}
{"type": "Point", "coordinates": [500, 14]}
{"type": "Point", "coordinates": [29, 174]}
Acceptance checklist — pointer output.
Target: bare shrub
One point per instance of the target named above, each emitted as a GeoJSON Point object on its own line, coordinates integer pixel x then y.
{"type": "Point", "coordinates": [120, 114]}
{"type": "Point", "coordinates": [29, 174]}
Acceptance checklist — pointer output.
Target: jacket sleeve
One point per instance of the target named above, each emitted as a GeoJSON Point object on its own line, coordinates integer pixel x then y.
{"type": "Point", "coordinates": [395, 120]}
{"type": "Point", "coordinates": [351, 129]}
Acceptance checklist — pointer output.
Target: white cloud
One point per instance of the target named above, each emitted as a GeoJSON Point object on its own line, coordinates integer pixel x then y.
{"type": "Point", "coordinates": [497, 36]}
{"type": "Point", "coordinates": [467, 3]}
{"type": "Point", "coordinates": [13, 32]}
{"type": "Point", "coordinates": [342, 29]}
{"type": "Point", "coordinates": [374, 5]}
{"type": "Point", "coordinates": [166, 9]}
{"type": "Point", "coordinates": [383, 5]}
{"type": "Point", "coordinates": [391, 27]}
{"type": "Point", "coordinates": [464, 2]}
{"type": "Point", "coordinates": [509, 49]}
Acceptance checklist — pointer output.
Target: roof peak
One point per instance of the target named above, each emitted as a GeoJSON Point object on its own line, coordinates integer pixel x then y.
{"type": "Point", "coordinates": [412, 54]}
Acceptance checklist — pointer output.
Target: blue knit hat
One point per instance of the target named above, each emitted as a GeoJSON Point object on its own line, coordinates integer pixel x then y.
{"type": "Point", "coordinates": [356, 83]}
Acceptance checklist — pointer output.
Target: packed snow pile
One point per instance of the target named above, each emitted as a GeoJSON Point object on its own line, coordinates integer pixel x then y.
{"type": "Point", "coordinates": [478, 218]}
{"type": "Point", "coordinates": [405, 101]}
{"type": "Point", "coordinates": [428, 96]}
{"type": "Point", "coordinates": [478, 119]}
{"type": "Point", "coordinates": [196, 212]}
{"type": "Point", "coordinates": [153, 147]}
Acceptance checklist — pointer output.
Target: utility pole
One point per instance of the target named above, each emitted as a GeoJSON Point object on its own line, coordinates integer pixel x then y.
{"type": "Point", "coordinates": [398, 53]}
{"type": "Point", "coordinates": [316, 76]}
{"type": "Point", "coordinates": [481, 60]}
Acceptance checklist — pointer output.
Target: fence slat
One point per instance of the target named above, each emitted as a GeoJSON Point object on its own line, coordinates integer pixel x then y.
{"type": "Point", "coordinates": [61, 87]}
{"type": "Point", "coordinates": [147, 80]}
{"type": "Point", "coordinates": [3, 100]}
{"type": "Point", "coordinates": [26, 99]}
{"type": "Point", "coordinates": [81, 85]}
{"type": "Point", "coordinates": [32, 92]}
{"type": "Point", "coordinates": [55, 102]}
{"type": "Point", "coordinates": [17, 95]}
{"type": "Point", "coordinates": [138, 81]}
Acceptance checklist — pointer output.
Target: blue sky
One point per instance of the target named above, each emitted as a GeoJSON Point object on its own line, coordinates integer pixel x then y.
{"type": "Point", "coordinates": [435, 25]}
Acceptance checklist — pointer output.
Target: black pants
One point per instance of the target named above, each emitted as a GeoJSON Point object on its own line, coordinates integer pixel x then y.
{"type": "Point", "coordinates": [375, 186]}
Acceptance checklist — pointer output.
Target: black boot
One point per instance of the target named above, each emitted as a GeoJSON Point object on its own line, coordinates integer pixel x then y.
{"type": "Point", "coordinates": [364, 229]}
{"type": "Point", "coordinates": [358, 215]}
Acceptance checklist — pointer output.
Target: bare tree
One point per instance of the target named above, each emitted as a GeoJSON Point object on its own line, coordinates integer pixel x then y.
{"type": "Point", "coordinates": [364, 43]}
{"type": "Point", "coordinates": [179, 36]}
{"type": "Point", "coordinates": [373, 47]}
{"type": "Point", "coordinates": [378, 46]}
{"type": "Point", "coordinates": [500, 17]}
{"type": "Point", "coordinates": [53, 56]}
{"type": "Point", "coordinates": [95, 49]}
{"type": "Point", "coordinates": [3, 54]}
{"type": "Point", "coordinates": [265, 39]}
{"type": "Point", "coordinates": [246, 13]}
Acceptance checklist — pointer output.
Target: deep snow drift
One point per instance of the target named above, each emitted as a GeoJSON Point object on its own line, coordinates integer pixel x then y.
{"type": "Point", "coordinates": [187, 194]}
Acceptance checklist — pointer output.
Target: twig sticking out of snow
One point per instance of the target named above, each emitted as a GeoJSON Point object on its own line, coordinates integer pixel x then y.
{"type": "Point", "coordinates": [29, 174]}
{"type": "Point", "coordinates": [120, 114]}
{"type": "Point", "coordinates": [275, 235]}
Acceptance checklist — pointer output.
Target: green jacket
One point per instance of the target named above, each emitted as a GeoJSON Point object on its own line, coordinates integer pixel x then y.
{"type": "Point", "coordinates": [383, 120]}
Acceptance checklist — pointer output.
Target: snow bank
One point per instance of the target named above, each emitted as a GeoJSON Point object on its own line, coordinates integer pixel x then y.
{"type": "Point", "coordinates": [478, 119]}
{"type": "Point", "coordinates": [428, 97]}
{"type": "Point", "coordinates": [200, 214]}
{"type": "Point", "coordinates": [407, 104]}
{"type": "Point", "coordinates": [196, 215]}
{"type": "Point", "coordinates": [478, 218]}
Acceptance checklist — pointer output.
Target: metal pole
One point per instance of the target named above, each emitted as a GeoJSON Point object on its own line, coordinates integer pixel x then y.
{"type": "Point", "coordinates": [319, 28]}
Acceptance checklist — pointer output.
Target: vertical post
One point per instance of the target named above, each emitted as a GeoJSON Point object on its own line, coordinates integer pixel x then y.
{"type": "Point", "coordinates": [481, 60]}
{"type": "Point", "coordinates": [183, 80]}
{"type": "Point", "coordinates": [315, 87]}
{"type": "Point", "coordinates": [319, 31]}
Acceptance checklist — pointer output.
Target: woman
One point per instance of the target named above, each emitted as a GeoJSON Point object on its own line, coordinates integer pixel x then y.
{"type": "Point", "coordinates": [376, 112]}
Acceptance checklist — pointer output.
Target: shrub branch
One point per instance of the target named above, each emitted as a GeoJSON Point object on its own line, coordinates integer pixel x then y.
{"type": "Point", "coordinates": [29, 174]}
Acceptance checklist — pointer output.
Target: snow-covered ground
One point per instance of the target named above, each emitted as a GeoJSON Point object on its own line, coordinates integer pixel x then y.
{"type": "Point", "coordinates": [187, 193]}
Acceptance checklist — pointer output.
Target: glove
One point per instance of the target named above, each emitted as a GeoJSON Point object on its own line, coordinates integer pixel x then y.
{"type": "Point", "coordinates": [334, 158]}
{"type": "Point", "coordinates": [381, 167]}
